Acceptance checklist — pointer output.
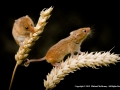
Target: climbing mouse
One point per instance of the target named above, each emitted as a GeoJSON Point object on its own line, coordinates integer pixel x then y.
{"type": "Point", "coordinates": [71, 44]}
{"type": "Point", "coordinates": [22, 29]}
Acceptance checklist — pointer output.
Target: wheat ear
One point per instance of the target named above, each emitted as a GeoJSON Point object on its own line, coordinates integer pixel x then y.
{"type": "Point", "coordinates": [29, 42]}
{"type": "Point", "coordinates": [72, 64]}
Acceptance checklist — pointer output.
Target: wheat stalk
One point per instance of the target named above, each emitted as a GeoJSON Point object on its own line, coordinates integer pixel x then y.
{"type": "Point", "coordinates": [24, 50]}
{"type": "Point", "coordinates": [74, 63]}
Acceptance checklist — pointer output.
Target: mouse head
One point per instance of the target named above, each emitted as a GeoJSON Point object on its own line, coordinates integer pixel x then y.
{"type": "Point", "coordinates": [26, 24]}
{"type": "Point", "coordinates": [80, 34]}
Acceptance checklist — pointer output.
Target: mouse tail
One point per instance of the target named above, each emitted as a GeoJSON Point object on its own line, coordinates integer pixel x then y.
{"type": "Point", "coordinates": [13, 75]}
{"type": "Point", "coordinates": [36, 60]}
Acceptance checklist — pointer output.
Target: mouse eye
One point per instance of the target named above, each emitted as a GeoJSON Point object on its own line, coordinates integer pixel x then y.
{"type": "Point", "coordinates": [84, 31]}
{"type": "Point", "coordinates": [26, 28]}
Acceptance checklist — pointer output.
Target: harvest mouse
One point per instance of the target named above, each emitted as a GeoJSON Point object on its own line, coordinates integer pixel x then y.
{"type": "Point", "coordinates": [21, 30]}
{"type": "Point", "coordinates": [71, 44]}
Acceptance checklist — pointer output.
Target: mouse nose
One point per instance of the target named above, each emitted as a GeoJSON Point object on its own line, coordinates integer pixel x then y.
{"type": "Point", "coordinates": [32, 30]}
{"type": "Point", "coordinates": [88, 29]}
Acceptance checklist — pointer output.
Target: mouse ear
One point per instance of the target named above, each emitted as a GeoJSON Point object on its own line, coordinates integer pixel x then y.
{"type": "Point", "coordinates": [71, 33]}
{"type": "Point", "coordinates": [26, 16]}
{"type": "Point", "coordinates": [17, 21]}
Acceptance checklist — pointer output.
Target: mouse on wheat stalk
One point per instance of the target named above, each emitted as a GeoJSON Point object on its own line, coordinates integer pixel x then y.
{"type": "Point", "coordinates": [22, 29]}
{"type": "Point", "coordinates": [71, 44]}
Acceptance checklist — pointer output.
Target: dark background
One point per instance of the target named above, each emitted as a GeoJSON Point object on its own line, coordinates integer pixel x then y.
{"type": "Point", "coordinates": [66, 16]}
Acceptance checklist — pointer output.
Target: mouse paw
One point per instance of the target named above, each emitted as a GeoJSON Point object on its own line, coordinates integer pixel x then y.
{"type": "Point", "coordinates": [56, 65]}
{"type": "Point", "coordinates": [73, 56]}
{"type": "Point", "coordinates": [80, 52]}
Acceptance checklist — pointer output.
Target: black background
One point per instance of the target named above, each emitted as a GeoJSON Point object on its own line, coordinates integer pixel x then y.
{"type": "Point", "coordinates": [102, 16]}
